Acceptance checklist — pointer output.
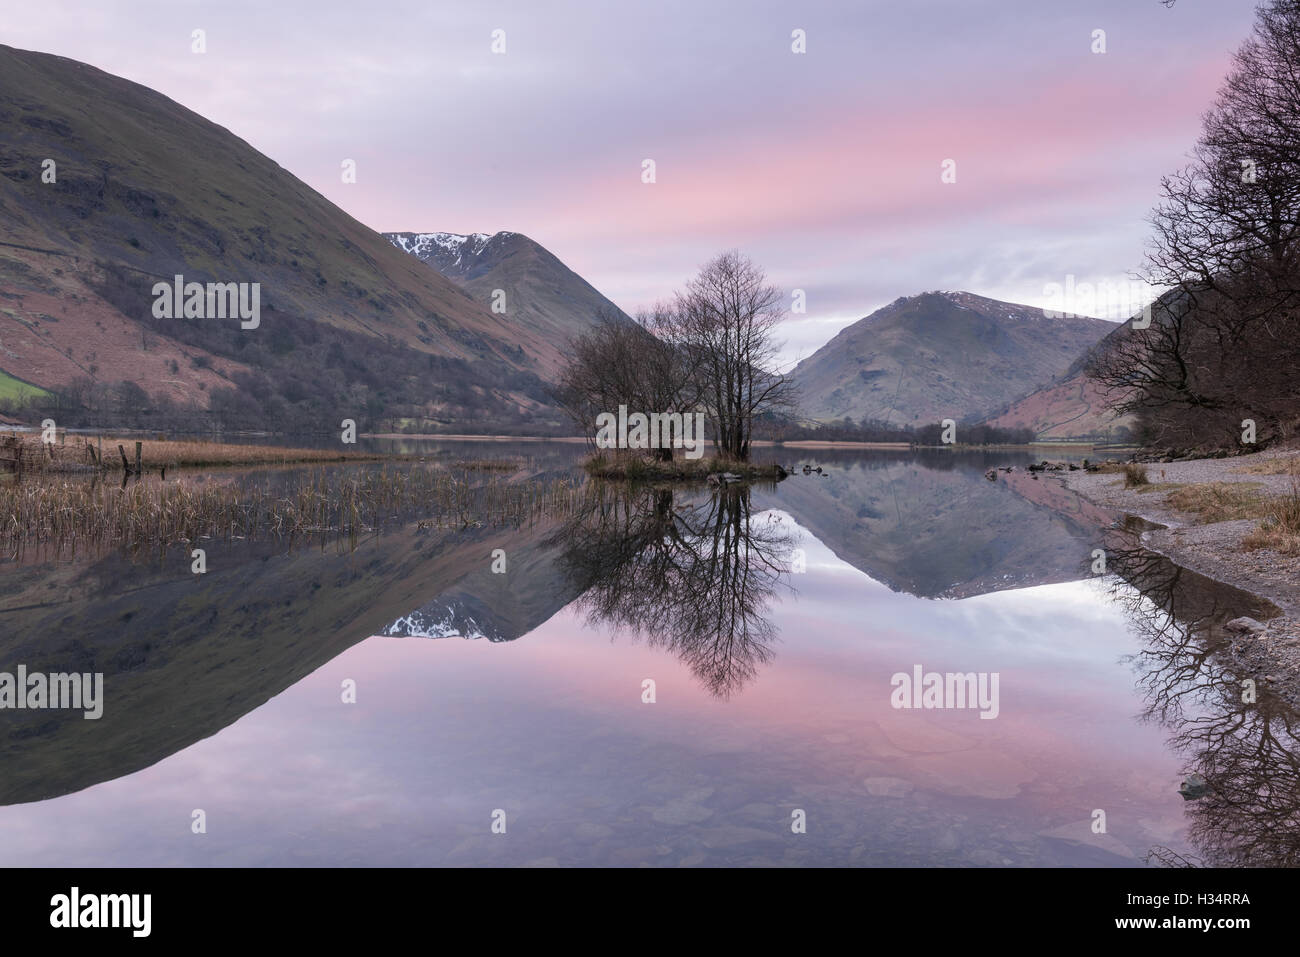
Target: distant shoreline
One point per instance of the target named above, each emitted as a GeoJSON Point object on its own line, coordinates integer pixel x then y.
{"type": "Point", "coordinates": [473, 438]}
{"type": "Point", "coordinates": [570, 439]}
{"type": "Point", "coordinates": [819, 444]}
{"type": "Point", "coordinates": [757, 443]}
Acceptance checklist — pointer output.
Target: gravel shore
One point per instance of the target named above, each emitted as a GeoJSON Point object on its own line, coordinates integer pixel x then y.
{"type": "Point", "coordinates": [1108, 491]}
{"type": "Point", "coordinates": [1215, 550]}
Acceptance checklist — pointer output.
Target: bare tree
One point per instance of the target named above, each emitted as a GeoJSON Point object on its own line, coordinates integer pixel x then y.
{"type": "Point", "coordinates": [1224, 343]}
{"type": "Point", "coordinates": [724, 320]}
{"type": "Point", "coordinates": [710, 347]}
{"type": "Point", "coordinates": [622, 363]}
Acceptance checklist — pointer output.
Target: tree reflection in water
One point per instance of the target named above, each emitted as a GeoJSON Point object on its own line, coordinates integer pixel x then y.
{"type": "Point", "coordinates": [692, 573]}
{"type": "Point", "coordinates": [1246, 750]}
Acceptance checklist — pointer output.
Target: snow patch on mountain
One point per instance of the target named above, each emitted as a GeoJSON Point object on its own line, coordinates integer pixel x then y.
{"type": "Point", "coordinates": [434, 624]}
{"type": "Point", "coordinates": [448, 248]}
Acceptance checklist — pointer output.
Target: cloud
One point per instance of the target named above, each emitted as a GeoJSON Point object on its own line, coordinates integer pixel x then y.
{"type": "Point", "coordinates": [823, 166]}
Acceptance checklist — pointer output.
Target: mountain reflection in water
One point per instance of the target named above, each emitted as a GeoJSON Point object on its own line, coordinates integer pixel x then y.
{"type": "Point", "coordinates": [771, 618]}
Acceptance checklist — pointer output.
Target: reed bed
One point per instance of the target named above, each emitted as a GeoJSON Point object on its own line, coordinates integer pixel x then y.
{"type": "Point", "coordinates": [67, 517]}
{"type": "Point", "coordinates": [27, 454]}
{"type": "Point", "coordinates": [158, 453]}
{"type": "Point", "coordinates": [84, 453]}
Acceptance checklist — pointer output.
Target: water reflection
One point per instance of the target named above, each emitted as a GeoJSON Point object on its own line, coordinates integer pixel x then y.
{"type": "Point", "coordinates": [931, 525]}
{"type": "Point", "coordinates": [545, 714]}
{"type": "Point", "coordinates": [693, 574]}
{"type": "Point", "coordinates": [185, 656]}
{"type": "Point", "coordinates": [1223, 717]}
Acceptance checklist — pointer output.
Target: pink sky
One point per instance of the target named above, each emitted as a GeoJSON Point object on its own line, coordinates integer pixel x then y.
{"type": "Point", "coordinates": [822, 166]}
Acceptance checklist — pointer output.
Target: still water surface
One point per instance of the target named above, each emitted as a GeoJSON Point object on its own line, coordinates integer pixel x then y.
{"type": "Point", "coordinates": [770, 623]}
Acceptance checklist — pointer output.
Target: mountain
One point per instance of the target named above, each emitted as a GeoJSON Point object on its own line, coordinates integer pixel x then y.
{"type": "Point", "coordinates": [940, 355]}
{"type": "Point", "coordinates": [1076, 405]}
{"type": "Point", "coordinates": [1072, 407]}
{"type": "Point", "coordinates": [144, 189]}
{"type": "Point", "coordinates": [540, 292]}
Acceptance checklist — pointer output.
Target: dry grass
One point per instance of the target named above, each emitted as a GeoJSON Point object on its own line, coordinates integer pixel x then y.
{"type": "Point", "coordinates": [28, 454]}
{"type": "Point", "coordinates": [1214, 502]}
{"type": "Point", "coordinates": [1135, 475]}
{"type": "Point", "coordinates": [73, 453]}
{"type": "Point", "coordinates": [172, 454]}
{"type": "Point", "coordinates": [1281, 465]}
{"type": "Point", "coordinates": [68, 517]}
{"type": "Point", "coordinates": [1280, 528]}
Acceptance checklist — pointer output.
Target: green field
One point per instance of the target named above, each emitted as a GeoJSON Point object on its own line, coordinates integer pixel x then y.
{"type": "Point", "coordinates": [11, 388]}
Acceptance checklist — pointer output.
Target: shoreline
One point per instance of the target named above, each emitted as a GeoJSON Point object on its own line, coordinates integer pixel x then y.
{"type": "Point", "coordinates": [1215, 550]}
{"type": "Point", "coordinates": [471, 438]}
{"type": "Point", "coordinates": [756, 443]}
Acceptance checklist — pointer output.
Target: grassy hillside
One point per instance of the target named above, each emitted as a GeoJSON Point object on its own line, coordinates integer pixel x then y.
{"type": "Point", "coordinates": [146, 189]}
{"type": "Point", "coordinates": [11, 388]}
{"type": "Point", "coordinates": [1074, 404]}
{"type": "Point", "coordinates": [1071, 408]}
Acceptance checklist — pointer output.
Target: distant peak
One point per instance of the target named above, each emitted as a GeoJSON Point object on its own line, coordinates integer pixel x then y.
{"type": "Point", "coordinates": [955, 296]}
{"type": "Point", "coordinates": [960, 296]}
{"type": "Point", "coordinates": [446, 240]}
{"type": "Point", "coordinates": [975, 303]}
{"type": "Point", "coordinates": [441, 244]}
{"type": "Point", "coordinates": [454, 244]}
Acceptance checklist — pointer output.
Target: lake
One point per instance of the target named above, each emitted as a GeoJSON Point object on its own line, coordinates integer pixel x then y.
{"type": "Point", "coordinates": [654, 678]}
